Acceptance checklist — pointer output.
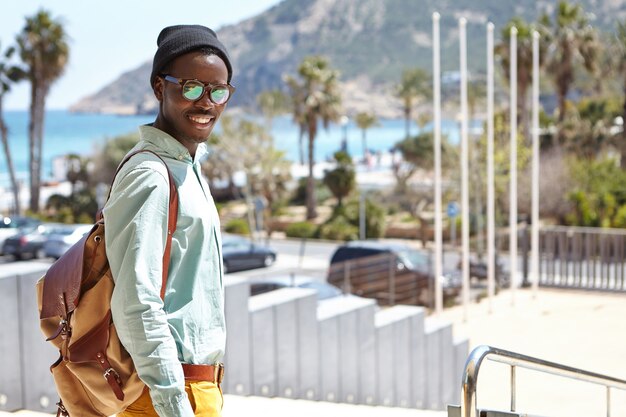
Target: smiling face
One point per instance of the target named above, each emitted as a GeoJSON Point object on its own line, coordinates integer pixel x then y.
{"type": "Point", "coordinates": [189, 122]}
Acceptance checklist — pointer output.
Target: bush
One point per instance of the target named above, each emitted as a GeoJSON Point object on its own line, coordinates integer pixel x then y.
{"type": "Point", "coordinates": [339, 228]}
{"type": "Point", "coordinates": [375, 217]}
{"type": "Point", "coordinates": [322, 193]}
{"type": "Point", "coordinates": [301, 230]}
{"type": "Point", "coordinates": [237, 226]}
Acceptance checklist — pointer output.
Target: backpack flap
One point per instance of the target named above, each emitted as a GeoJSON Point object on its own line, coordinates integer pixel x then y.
{"type": "Point", "coordinates": [61, 285]}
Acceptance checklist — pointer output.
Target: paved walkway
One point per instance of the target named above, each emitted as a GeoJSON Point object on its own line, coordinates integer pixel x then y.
{"type": "Point", "coordinates": [583, 330]}
{"type": "Point", "coordinates": [579, 329]}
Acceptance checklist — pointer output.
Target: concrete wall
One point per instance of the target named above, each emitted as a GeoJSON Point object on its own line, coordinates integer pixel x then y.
{"type": "Point", "coordinates": [284, 343]}
{"type": "Point", "coordinates": [26, 381]}
{"type": "Point", "coordinates": [344, 349]}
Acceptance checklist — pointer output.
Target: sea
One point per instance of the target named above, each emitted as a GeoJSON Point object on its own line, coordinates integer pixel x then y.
{"type": "Point", "coordinates": [66, 132]}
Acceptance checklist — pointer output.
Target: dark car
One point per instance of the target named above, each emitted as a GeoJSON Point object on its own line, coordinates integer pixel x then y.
{"type": "Point", "coordinates": [29, 241]}
{"type": "Point", "coordinates": [261, 285]}
{"type": "Point", "coordinates": [479, 270]}
{"type": "Point", "coordinates": [10, 226]}
{"type": "Point", "coordinates": [239, 253]}
{"type": "Point", "coordinates": [392, 273]}
{"type": "Point", "coordinates": [60, 239]}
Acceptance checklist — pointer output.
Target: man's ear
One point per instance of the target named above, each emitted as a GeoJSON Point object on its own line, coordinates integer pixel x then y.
{"type": "Point", "coordinates": [158, 88]}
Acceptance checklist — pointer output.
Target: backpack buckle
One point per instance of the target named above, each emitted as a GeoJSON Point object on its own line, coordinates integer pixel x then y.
{"type": "Point", "coordinates": [110, 371]}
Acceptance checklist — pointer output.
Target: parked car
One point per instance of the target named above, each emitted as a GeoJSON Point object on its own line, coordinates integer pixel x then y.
{"type": "Point", "coordinates": [324, 290]}
{"type": "Point", "coordinates": [10, 226]}
{"type": "Point", "coordinates": [239, 253]}
{"type": "Point", "coordinates": [60, 239]}
{"type": "Point", "coordinates": [478, 269]}
{"type": "Point", "coordinates": [28, 242]}
{"type": "Point", "coordinates": [368, 267]}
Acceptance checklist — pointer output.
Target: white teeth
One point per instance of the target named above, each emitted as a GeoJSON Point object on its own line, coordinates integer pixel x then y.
{"type": "Point", "coordinates": [200, 119]}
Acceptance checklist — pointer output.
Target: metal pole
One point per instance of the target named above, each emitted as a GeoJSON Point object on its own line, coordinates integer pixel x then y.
{"type": "Point", "coordinates": [513, 166]}
{"type": "Point", "coordinates": [464, 167]}
{"type": "Point", "coordinates": [491, 253]}
{"type": "Point", "coordinates": [513, 388]}
{"type": "Point", "coordinates": [535, 175]}
{"type": "Point", "coordinates": [437, 153]}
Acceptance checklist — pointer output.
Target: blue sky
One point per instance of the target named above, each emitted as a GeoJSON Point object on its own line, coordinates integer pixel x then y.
{"type": "Point", "coordinates": [112, 36]}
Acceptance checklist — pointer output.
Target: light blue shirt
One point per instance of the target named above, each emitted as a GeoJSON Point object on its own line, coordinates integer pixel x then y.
{"type": "Point", "coordinates": [188, 326]}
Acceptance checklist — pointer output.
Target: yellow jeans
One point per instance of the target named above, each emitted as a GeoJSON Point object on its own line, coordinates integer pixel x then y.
{"type": "Point", "coordinates": [205, 397]}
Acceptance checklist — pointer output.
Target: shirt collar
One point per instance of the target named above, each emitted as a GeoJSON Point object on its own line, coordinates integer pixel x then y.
{"type": "Point", "coordinates": [169, 145]}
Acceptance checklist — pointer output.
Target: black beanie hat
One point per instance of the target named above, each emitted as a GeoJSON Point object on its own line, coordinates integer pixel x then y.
{"type": "Point", "coordinates": [174, 41]}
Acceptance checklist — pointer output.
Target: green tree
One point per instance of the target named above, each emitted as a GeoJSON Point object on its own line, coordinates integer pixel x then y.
{"type": "Point", "coordinates": [78, 171]}
{"type": "Point", "coordinates": [272, 103]}
{"type": "Point", "coordinates": [318, 90]}
{"type": "Point", "coordinates": [415, 84]}
{"type": "Point", "coordinates": [110, 155]}
{"type": "Point", "coordinates": [341, 180]}
{"type": "Point", "coordinates": [365, 120]}
{"type": "Point", "coordinates": [598, 195]}
{"type": "Point", "coordinates": [248, 147]}
{"type": "Point", "coordinates": [79, 207]}
{"type": "Point", "coordinates": [9, 74]}
{"type": "Point", "coordinates": [43, 46]}
{"type": "Point", "coordinates": [418, 152]}
{"type": "Point", "coordinates": [571, 39]}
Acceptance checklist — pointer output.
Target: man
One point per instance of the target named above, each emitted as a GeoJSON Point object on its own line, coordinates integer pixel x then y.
{"type": "Point", "coordinates": [190, 78]}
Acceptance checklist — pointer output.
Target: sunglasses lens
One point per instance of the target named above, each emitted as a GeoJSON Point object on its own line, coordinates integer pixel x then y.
{"type": "Point", "coordinates": [220, 94]}
{"type": "Point", "coordinates": [192, 90]}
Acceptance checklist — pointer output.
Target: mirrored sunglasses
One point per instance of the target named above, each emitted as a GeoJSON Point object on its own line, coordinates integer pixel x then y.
{"type": "Point", "coordinates": [193, 90]}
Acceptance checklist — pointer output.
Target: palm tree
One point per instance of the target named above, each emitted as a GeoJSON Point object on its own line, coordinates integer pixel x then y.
{"type": "Point", "coordinates": [571, 38]}
{"type": "Point", "coordinates": [272, 103]}
{"type": "Point", "coordinates": [524, 64]}
{"type": "Point", "coordinates": [44, 49]}
{"type": "Point", "coordinates": [364, 121]}
{"type": "Point", "coordinates": [316, 98]}
{"type": "Point", "coordinates": [415, 84]}
{"type": "Point", "coordinates": [8, 75]}
{"type": "Point", "coordinates": [297, 103]}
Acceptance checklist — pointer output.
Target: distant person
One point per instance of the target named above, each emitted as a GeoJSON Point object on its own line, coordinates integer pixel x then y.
{"type": "Point", "coordinates": [177, 344]}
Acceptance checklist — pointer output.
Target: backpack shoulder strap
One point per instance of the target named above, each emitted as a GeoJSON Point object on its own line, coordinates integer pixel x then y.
{"type": "Point", "coordinates": [172, 213]}
{"type": "Point", "coordinates": [62, 282]}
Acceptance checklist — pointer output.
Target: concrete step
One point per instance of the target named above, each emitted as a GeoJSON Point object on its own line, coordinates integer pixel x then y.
{"type": "Point", "coordinates": [236, 406]}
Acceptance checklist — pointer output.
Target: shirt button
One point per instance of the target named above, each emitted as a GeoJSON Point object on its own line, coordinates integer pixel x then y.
{"type": "Point", "coordinates": [181, 157]}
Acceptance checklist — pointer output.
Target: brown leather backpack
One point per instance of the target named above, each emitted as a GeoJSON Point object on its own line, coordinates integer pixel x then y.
{"type": "Point", "coordinates": [94, 375]}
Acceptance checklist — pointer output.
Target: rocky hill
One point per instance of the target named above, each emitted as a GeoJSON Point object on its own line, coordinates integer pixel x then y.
{"type": "Point", "coordinates": [369, 41]}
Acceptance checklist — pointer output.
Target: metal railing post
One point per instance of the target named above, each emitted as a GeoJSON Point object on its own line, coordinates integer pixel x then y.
{"type": "Point", "coordinates": [513, 388]}
{"type": "Point", "coordinates": [474, 361]}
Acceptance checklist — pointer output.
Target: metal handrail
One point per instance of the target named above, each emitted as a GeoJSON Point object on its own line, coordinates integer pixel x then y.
{"type": "Point", "coordinates": [469, 406]}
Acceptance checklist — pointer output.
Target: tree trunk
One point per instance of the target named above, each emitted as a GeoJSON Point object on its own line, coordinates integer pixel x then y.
{"type": "Point", "coordinates": [311, 211]}
{"type": "Point", "coordinates": [32, 160]}
{"type": "Point", "coordinates": [407, 122]}
{"type": "Point", "coordinates": [36, 129]}
{"type": "Point", "coordinates": [4, 133]}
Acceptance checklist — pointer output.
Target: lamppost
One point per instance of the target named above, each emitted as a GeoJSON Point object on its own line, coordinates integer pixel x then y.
{"type": "Point", "coordinates": [343, 122]}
